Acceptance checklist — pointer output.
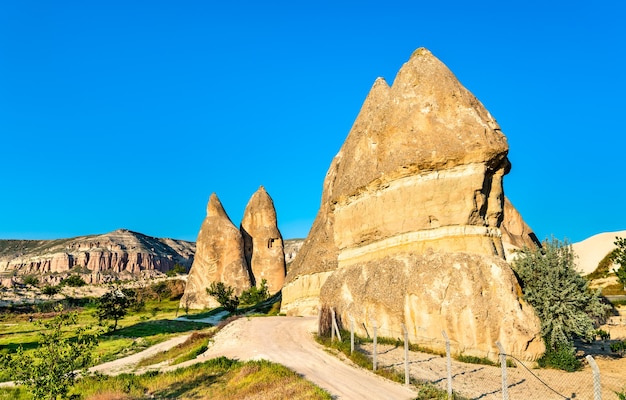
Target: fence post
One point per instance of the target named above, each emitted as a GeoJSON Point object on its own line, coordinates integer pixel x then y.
{"type": "Point", "coordinates": [319, 321]}
{"type": "Point", "coordinates": [407, 375]}
{"type": "Point", "coordinates": [375, 354]}
{"type": "Point", "coordinates": [597, 389]}
{"type": "Point", "coordinates": [448, 363]}
{"type": "Point", "coordinates": [332, 325]}
{"type": "Point", "coordinates": [351, 334]}
{"type": "Point", "coordinates": [337, 327]}
{"type": "Point", "coordinates": [505, 388]}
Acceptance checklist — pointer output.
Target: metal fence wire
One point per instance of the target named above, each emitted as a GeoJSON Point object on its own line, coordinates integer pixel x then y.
{"type": "Point", "coordinates": [512, 379]}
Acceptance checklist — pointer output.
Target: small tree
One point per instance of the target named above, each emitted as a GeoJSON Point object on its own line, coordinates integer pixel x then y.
{"type": "Point", "coordinates": [620, 258]}
{"type": "Point", "coordinates": [31, 280]}
{"type": "Point", "coordinates": [50, 290]}
{"type": "Point", "coordinates": [50, 370]}
{"type": "Point", "coordinates": [560, 296]}
{"type": "Point", "coordinates": [224, 295]}
{"type": "Point", "coordinates": [73, 281]}
{"type": "Point", "coordinates": [115, 304]}
{"type": "Point", "coordinates": [160, 290]}
{"type": "Point", "coordinates": [255, 294]}
{"type": "Point", "coordinates": [176, 270]}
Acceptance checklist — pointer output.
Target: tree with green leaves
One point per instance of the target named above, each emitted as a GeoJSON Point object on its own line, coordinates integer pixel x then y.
{"type": "Point", "coordinates": [114, 305]}
{"type": "Point", "coordinates": [50, 290]}
{"type": "Point", "coordinates": [620, 258]}
{"type": "Point", "coordinates": [73, 281]}
{"type": "Point", "coordinates": [255, 294]}
{"type": "Point", "coordinates": [224, 295]}
{"type": "Point", "coordinates": [560, 296]}
{"type": "Point", "coordinates": [178, 269]}
{"type": "Point", "coordinates": [52, 368]}
{"type": "Point", "coordinates": [161, 290]}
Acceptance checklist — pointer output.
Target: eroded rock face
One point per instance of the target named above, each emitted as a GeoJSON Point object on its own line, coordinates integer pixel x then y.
{"type": "Point", "coordinates": [516, 234]}
{"type": "Point", "coordinates": [263, 243]}
{"type": "Point", "coordinates": [97, 258]}
{"type": "Point", "coordinates": [420, 172]}
{"type": "Point", "coordinates": [219, 258]}
{"type": "Point", "coordinates": [473, 298]}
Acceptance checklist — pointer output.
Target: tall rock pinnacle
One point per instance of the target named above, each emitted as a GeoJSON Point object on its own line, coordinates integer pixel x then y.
{"type": "Point", "coordinates": [416, 191]}
{"type": "Point", "coordinates": [263, 243]}
{"type": "Point", "coordinates": [219, 258]}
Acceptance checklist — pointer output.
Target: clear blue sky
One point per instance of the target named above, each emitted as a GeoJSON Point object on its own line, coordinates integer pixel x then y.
{"type": "Point", "coordinates": [129, 114]}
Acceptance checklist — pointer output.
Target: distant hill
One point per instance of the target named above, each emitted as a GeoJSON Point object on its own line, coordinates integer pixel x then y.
{"type": "Point", "coordinates": [97, 258]}
{"type": "Point", "coordinates": [593, 249]}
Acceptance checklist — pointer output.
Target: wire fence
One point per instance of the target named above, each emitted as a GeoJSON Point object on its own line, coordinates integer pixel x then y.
{"type": "Point", "coordinates": [508, 379]}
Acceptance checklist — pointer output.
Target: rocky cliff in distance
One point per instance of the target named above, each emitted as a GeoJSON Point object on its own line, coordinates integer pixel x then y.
{"type": "Point", "coordinates": [97, 258]}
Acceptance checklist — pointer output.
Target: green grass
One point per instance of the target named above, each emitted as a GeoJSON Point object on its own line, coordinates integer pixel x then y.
{"type": "Point", "coordinates": [195, 345]}
{"type": "Point", "coordinates": [135, 332]}
{"type": "Point", "coordinates": [217, 379]}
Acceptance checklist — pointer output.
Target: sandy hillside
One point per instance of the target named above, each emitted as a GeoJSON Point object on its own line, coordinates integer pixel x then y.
{"type": "Point", "coordinates": [593, 249]}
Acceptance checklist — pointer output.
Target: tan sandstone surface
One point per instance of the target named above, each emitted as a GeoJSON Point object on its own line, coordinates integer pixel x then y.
{"type": "Point", "coordinates": [420, 173]}
{"type": "Point", "coordinates": [263, 243]}
{"type": "Point", "coordinates": [219, 258]}
{"type": "Point", "coordinates": [592, 250]}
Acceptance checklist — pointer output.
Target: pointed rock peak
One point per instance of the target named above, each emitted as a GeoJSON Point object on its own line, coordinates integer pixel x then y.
{"type": "Point", "coordinates": [215, 208]}
{"type": "Point", "coordinates": [260, 199]}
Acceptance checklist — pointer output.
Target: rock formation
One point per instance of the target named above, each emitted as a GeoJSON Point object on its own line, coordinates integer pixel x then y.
{"type": "Point", "coordinates": [516, 234]}
{"type": "Point", "coordinates": [97, 258]}
{"type": "Point", "coordinates": [219, 258]}
{"type": "Point", "coordinates": [263, 243]}
{"type": "Point", "coordinates": [417, 184]}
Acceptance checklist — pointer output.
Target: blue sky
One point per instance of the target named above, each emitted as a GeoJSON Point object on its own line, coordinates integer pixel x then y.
{"type": "Point", "coordinates": [129, 114]}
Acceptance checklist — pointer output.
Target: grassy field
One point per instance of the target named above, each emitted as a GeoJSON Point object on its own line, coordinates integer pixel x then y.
{"type": "Point", "coordinates": [135, 332]}
{"type": "Point", "coordinates": [218, 379]}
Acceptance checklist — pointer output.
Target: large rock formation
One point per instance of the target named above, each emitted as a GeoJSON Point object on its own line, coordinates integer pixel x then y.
{"type": "Point", "coordinates": [219, 258]}
{"type": "Point", "coordinates": [97, 258]}
{"type": "Point", "coordinates": [418, 179]}
{"type": "Point", "coordinates": [263, 243]}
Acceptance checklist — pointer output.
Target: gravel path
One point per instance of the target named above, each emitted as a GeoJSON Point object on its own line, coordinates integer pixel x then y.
{"type": "Point", "coordinates": [289, 341]}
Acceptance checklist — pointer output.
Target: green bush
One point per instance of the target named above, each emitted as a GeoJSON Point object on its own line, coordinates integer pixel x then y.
{"type": "Point", "coordinates": [563, 357]}
{"type": "Point", "coordinates": [224, 295]}
{"type": "Point", "coordinates": [50, 291]}
{"type": "Point", "coordinates": [30, 280]}
{"type": "Point", "coordinates": [73, 281]}
{"type": "Point", "coordinates": [560, 296]}
{"type": "Point", "coordinates": [618, 347]}
{"type": "Point", "coordinates": [176, 270]}
{"type": "Point", "coordinates": [255, 294]}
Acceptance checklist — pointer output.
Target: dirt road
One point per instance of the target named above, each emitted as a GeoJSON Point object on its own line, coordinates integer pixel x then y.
{"type": "Point", "coordinates": [289, 341]}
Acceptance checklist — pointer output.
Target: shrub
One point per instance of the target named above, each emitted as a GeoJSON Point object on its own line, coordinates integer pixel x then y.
{"type": "Point", "coordinates": [176, 270]}
{"type": "Point", "coordinates": [50, 291]}
{"type": "Point", "coordinates": [224, 295]}
{"type": "Point", "coordinates": [73, 281]}
{"type": "Point", "coordinates": [31, 280]}
{"type": "Point", "coordinates": [563, 357]}
{"type": "Point", "coordinates": [255, 294]}
{"type": "Point", "coordinates": [618, 347]}
{"type": "Point", "coordinates": [51, 369]}
{"type": "Point", "coordinates": [560, 296]}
